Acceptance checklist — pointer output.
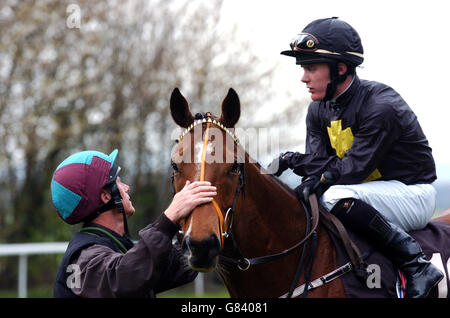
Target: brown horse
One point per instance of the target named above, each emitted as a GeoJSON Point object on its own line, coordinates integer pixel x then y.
{"type": "Point", "coordinates": [254, 214]}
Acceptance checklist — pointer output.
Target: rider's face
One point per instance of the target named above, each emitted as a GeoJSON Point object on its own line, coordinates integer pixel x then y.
{"type": "Point", "coordinates": [316, 77]}
{"type": "Point", "coordinates": [124, 190]}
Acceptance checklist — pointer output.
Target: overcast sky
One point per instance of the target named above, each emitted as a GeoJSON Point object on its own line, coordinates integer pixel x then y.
{"type": "Point", "coordinates": [405, 46]}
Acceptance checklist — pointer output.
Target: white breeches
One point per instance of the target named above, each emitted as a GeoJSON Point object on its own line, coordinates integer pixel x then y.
{"type": "Point", "coordinates": [408, 206]}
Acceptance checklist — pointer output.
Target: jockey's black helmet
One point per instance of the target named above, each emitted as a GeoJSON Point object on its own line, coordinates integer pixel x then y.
{"type": "Point", "coordinates": [326, 40]}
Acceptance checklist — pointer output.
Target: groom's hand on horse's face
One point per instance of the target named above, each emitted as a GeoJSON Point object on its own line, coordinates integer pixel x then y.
{"type": "Point", "coordinates": [279, 164]}
{"type": "Point", "coordinates": [192, 195]}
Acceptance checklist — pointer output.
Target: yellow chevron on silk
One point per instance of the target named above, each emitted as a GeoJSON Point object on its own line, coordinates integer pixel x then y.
{"type": "Point", "coordinates": [341, 140]}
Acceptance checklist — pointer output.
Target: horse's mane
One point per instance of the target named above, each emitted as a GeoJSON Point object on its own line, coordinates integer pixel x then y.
{"type": "Point", "coordinates": [277, 180]}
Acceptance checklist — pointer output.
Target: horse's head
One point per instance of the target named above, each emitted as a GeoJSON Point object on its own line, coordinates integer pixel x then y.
{"type": "Point", "coordinates": [207, 150]}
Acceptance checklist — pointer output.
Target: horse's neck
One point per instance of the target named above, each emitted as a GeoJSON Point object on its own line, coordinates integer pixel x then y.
{"type": "Point", "coordinates": [271, 220]}
{"type": "Point", "coordinates": [270, 205]}
{"type": "Point", "coordinates": [270, 192]}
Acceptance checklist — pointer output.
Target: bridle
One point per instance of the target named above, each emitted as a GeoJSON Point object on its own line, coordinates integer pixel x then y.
{"type": "Point", "coordinates": [225, 223]}
{"type": "Point", "coordinates": [242, 262]}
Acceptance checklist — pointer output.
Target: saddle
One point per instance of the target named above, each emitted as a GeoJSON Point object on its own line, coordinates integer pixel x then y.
{"type": "Point", "coordinates": [374, 275]}
{"type": "Point", "coordinates": [368, 273]}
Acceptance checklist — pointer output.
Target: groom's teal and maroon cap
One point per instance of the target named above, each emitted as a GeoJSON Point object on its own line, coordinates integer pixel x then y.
{"type": "Point", "coordinates": [78, 181]}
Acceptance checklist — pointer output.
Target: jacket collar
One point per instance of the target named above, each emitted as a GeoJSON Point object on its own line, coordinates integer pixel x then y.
{"type": "Point", "coordinates": [345, 97]}
{"type": "Point", "coordinates": [126, 241]}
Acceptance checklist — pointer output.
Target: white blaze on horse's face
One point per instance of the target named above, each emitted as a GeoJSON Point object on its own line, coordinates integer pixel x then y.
{"type": "Point", "coordinates": [198, 147]}
{"type": "Point", "coordinates": [198, 151]}
{"type": "Point", "coordinates": [188, 233]}
{"type": "Point", "coordinates": [204, 238]}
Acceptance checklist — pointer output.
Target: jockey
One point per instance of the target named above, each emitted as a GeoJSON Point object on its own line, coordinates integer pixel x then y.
{"type": "Point", "coordinates": [367, 142]}
{"type": "Point", "coordinates": [101, 260]}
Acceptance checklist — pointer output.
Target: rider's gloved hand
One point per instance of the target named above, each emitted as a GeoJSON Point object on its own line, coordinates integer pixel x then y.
{"type": "Point", "coordinates": [314, 184]}
{"type": "Point", "coordinates": [280, 164]}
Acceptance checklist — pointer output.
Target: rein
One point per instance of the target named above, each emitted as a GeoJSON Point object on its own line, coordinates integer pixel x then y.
{"type": "Point", "coordinates": [245, 263]}
{"type": "Point", "coordinates": [357, 263]}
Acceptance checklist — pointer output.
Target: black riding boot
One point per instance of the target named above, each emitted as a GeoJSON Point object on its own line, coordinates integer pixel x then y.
{"type": "Point", "coordinates": [396, 244]}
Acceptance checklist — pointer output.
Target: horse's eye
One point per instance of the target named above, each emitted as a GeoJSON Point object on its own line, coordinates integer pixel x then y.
{"type": "Point", "coordinates": [234, 168]}
{"type": "Point", "coordinates": [174, 166]}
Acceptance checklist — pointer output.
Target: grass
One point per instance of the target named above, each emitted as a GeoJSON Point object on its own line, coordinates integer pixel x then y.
{"type": "Point", "coordinates": [37, 292]}
{"type": "Point", "coordinates": [181, 292]}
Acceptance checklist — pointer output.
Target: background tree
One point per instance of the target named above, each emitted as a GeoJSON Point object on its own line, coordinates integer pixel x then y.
{"type": "Point", "coordinates": [106, 85]}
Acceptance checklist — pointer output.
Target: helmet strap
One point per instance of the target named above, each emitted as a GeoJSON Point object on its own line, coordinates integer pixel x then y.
{"type": "Point", "coordinates": [105, 207]}
{"type": "Point", "coordinates": [117, 199]}
{"type": "Point", "coordinates": [119, 205]}
{"type": "Point", "coordinates": [114, 202]}
{"type": "Point", "coordinates": [335, 79]}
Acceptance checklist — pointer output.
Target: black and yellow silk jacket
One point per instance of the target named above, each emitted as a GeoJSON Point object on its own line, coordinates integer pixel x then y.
{"type": "Point", "coordinates": [368, 133]}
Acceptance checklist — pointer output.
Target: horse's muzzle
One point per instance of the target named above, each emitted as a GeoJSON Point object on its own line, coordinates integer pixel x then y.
{"type": "Point", "coordinates": [202, 255]}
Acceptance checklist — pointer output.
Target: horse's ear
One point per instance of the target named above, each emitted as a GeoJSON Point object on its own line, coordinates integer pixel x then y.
{"type": "Point", "coordinates": [231, 109]}
{"type": "Point", "coordinates": [179, 109]}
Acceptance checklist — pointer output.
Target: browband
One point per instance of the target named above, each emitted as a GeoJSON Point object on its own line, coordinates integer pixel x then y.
{"type": "Point", "coordinates": [208, 120]}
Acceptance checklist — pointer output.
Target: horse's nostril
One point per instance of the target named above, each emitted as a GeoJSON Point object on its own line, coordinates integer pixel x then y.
{"type": "Point", "coordinates": [211, 242]}
{"type": "Point", "coordinates": [214, 246]}
{"type": "Point", "coordinates": [204, 250]}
